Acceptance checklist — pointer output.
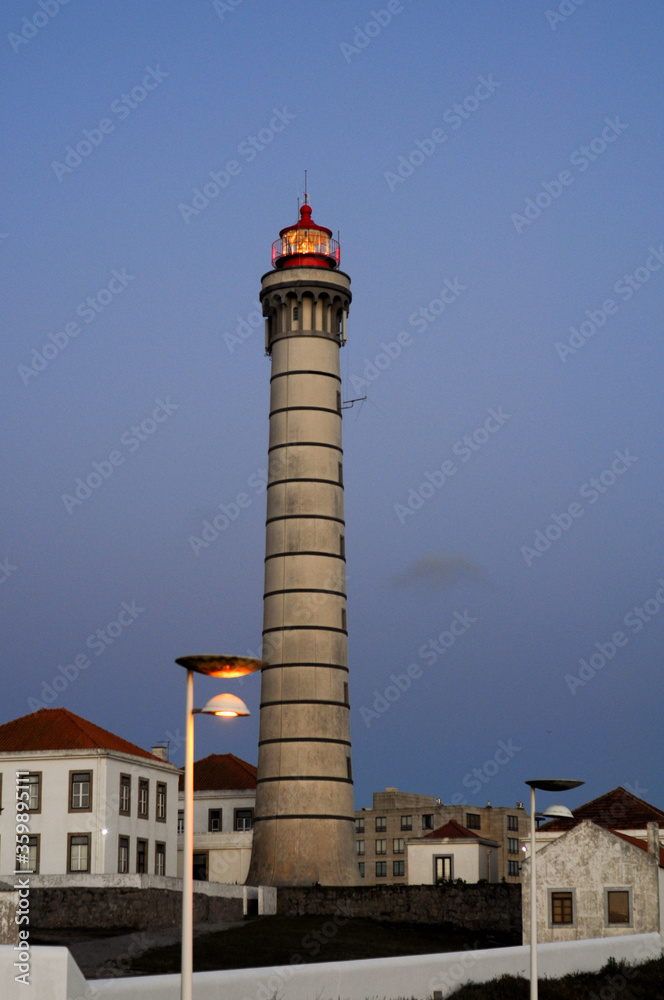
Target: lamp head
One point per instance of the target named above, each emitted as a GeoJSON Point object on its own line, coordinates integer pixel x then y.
{"type": "Point", "coordinates": [227, 705]}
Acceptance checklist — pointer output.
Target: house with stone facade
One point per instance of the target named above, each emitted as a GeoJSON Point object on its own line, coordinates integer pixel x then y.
{"type": "Point", "coordinates": [94, 803]}
{"type": "Point", "coordinates": [224, 800]}
{"type": "Point", "coordinates": [594, 882]}
{"type": "Point", "coordinates": [384, 832]}
{"type": "Point", "coordinates": [452, 852]}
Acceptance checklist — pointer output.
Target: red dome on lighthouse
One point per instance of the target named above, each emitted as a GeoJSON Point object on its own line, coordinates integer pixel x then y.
{"type": "Point", "coordinates": [305, 244]}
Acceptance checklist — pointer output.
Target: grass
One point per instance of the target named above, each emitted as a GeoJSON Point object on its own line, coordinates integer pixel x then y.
{"type": "Point", "coordinates": [644, 982]}
{"type": "Point", "coordinates": [280, 941]}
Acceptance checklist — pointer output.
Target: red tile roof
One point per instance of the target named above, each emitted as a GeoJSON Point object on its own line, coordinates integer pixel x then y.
{"type": "Point", "coordinates": [617, 810]}
{"type": "Point", "coordinates": [59, 729]}
{"type": "Point", "coordinates": [451, 829]}
{"type": "Point", "coordinates": [643, 844]}
{"type": "Point", "coordinates": [220, 772]}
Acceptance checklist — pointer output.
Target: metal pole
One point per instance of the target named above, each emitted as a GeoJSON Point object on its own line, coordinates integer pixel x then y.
{"type": "Point", "coordinates": [187, 970]}
{"type": "Point", "coordinates": [533, 902]}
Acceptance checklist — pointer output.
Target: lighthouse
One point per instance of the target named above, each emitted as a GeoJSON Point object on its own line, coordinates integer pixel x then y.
{"type": "Point", "coordinates": [304, 819]}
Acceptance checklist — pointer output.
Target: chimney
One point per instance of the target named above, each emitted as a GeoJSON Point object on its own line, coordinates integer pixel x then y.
{"type": "Point", "coordinates": [160, 751]}
{"type": "Point", "coordinates": [653, 839]}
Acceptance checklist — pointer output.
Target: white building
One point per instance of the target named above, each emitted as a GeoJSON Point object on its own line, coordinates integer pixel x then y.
{"type": "Point", "coordinates": [224, 800]}
{"type": "Point", "coordinates": [452, 852]}
{"type": "Point", "coordinates": [94, 802]}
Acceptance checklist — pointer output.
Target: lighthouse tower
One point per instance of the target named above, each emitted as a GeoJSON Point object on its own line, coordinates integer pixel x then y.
{"type": "Point", "coordinates": [304, 820]}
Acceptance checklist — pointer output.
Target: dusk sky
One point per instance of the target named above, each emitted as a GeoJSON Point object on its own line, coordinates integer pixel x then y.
{"type": "Point", "coordinates": [495, 172]}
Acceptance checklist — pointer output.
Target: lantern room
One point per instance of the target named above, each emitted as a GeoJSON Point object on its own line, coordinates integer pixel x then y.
{"type": "Point", "coordinates": [305, 244]}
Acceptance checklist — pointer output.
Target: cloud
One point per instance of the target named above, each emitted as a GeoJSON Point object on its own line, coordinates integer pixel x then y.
{"type": "Point", "coordinates": [437, 572]}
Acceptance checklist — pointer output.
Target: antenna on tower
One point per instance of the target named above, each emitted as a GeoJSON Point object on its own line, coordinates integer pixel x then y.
{"type": "Point", "coordinates": [306, 197]}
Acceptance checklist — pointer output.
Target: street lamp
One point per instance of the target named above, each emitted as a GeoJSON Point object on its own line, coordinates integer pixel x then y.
{"type": "Point", "coordinates": [223, 705]}
{"type": "Point", "coordinates": [551, 785]}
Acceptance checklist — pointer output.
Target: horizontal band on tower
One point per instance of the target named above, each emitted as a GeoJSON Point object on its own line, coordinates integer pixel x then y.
{"type": "Point", "coordinates": [328, 666]}
{"type": "Point", "coordinates": [292, 517]}
{"type": "Point", "coordinates": [332, 555]}
{"type": "Point", "coordinates": [305, 479]}
{"type": "Point", "coordinates": [291, 409]}
{"type": "Point", "coordinates": [303, 701]}
{"type": "Point", "coordinates": [304, 739]}
{"type": "Point", "coordinates": [303, 777]}
{"type": "Point", "coordinates": [264, 819]}
{"type": "Point", "coordinates": [304, 628]}
{"type": "Point", "coordinates": [304, 444]}
{"type": "Point", "coordinates": [306, 371]}
{"type": "Point", "coordinates": [304, 590]}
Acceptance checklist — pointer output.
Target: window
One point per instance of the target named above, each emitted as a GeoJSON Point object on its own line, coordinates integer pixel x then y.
{"type": "Point", "coordinates": [78, 854]}
{"type": "Point", "coordinates": [473, 821]}
{"type": "Point", "coordinates": [34, 791]}
{"type": "Point", "coordinates": [381, 824]}
{"type": "Point", "coordinates": [338, 401]}
{"type": "Point", "coordinates": [398, 867]}
{"type": "Point", "coordinates": [343, 619]}
{"type": "Point", "coordinates": [143, 797]}
{"type": "Point", "coordinates": [381, 847]}
{"type": "Point", "coordinates": [125, 794]}
{"type": "Point", "coordinates": [123, 855]}
{"type": "Point", "coordinates": [513, 868]}
{"type": "Point", "coordinates": [341, 474]}
{"type": "Point", "coordinates": [427, 821]}
{"type": "Point", "coordinates": [200, 867]}
{"type": "Point", "coordinates": [141, 856]}
{"type": "Point", "coordinates": [349, 769]}
{"type": "Point", "coordinates": [512, 822]}
{"type": "Point", "coordinates": [360, 865]}
{"type": "Point", "coordinates": [342, 546]}
{"type": "Point", "coordinates": [406, 822]}
{"type": "Point", "coordinates": [243, 818]}
{"type": "Point", "coordinates": [512, 845]}
{"type": "Point", "coordinates": [346, 698]}
{"type": "Point", "coordinates": [214, 820]}
{"type": "Point", "coordinates": [398, 845]}
{"type": "Point", "coordinates": [161, 802]}
{"type": "Point", "coordinates": [180, 820]}
{"type": "Point", "coordinates": [360, 846]}
{"type": "Point", "coordinates": [80, 797]}
{"type": "Point", "coordinates": [561, 907]}
{"type": "Point", "coordinates": [296, 312]}
{"type": "Point", "coordinates": [443, 868]}
{"type": "Point", "coordinates": [159, 859]}
{"type": "Point", "coordinates": [27, 855]}
{"type": "Point", "coordinates": [381, 869]}
{"type": "Point", "coordinates": [618, 906]}
{"type": "Point", "coordinates": [359, 824]}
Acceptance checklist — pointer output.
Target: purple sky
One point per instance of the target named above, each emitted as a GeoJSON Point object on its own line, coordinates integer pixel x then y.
{"type": "Point", "coordinates": [495, 174]}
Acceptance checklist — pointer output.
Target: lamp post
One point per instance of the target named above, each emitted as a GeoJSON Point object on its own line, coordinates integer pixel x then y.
{"type": "Point", "coordinates": [551, 785]}
{"type": "Point", "coordinates": [226, 705]}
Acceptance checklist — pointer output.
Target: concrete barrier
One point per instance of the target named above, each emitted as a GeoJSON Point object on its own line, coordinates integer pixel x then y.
{"type": "Point", "coordinates": [389, 978]}
{"type": "Point", "coordinates": [52, 975]}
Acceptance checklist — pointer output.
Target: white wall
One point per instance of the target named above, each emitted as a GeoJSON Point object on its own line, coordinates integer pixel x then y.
{"type": "Point", "coordinates": [389, 978]}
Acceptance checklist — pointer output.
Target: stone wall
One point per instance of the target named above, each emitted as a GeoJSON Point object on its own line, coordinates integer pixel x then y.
{"type": "Point", "coordinates": [485, 907]}
{"type": "Point", "coordinates": [131, 908]}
